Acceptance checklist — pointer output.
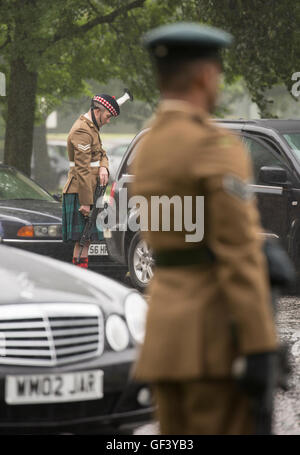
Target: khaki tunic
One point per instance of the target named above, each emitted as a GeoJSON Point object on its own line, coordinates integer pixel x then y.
{"type": "Point", "coordinates": [201, 317]}
{"type": "Point", "coordinates": [84, 147]}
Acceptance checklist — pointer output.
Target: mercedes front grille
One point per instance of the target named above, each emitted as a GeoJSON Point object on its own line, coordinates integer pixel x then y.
{"type": "Point", "coordinates": [50, 334]}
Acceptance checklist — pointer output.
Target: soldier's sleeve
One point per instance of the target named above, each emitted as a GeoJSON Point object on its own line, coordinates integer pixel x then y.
{"type": "Point", "coordinates": [232, 228]}
{"type": "Point", "coordinates": [81, 142]}
{"type": "Point", "coordinates": [104, 160]}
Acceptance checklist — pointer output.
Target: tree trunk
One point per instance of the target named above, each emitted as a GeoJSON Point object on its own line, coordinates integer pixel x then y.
{"type": "Point", "coordinates": [20, 116]}
{"type": "Point", "coordinates": [41, 164]}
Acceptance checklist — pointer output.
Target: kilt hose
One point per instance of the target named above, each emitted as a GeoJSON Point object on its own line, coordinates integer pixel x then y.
{"type": "Point", "coordinates": [73, 221]}
{"type": "Point", "coordinates": [203, 407]}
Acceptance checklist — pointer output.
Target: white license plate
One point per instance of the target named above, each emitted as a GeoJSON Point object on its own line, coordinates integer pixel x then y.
{"type": "Point", "coordinates": [98, 250]}
{"type": "Point", "coordinates": [54, 388]}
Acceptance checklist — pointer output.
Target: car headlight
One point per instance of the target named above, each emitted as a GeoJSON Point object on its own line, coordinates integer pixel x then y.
{"type": "Point", "coordinates": [135, 313]}
{"type": "Point", "coordinates": [26, 231]}
{"type": "Point", "coordinates": [47, 231]}
{"type": "Point", "coordinates": [117, 333]}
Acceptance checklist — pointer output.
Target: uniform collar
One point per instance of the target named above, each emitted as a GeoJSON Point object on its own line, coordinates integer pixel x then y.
{"type": "Point", "coordinates": [174, 105]}
{"type": "Point", "coordinates": [87, 121]}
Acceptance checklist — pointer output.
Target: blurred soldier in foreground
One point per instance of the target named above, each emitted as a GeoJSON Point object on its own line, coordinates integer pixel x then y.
{"type": "Point", "coordinates": [209, 301]}
{"type": "Point", "coordinates": [88, 161]}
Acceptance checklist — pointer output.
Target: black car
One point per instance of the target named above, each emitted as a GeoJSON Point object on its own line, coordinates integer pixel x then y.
{"type": "Point", "coordinates": [31, 219]}
{"type": "Point", "coordinates": [68, 339]}
{"type": "Point", "coordinates": [274, 147]}
{"type": "Point", "coordinates": [30, 216]}
{"type": "Point", "coordinates": [124, 246]}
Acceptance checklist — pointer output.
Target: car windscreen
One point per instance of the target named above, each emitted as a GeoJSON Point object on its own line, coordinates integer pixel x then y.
{"type": "Point", "coordinates": [293, 139]}
{"type": "Point", "coordinates": [14, 185]}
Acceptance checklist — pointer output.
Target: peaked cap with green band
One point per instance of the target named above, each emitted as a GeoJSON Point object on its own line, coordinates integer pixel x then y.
{"type": "Point", "coordinates": [186, 40]}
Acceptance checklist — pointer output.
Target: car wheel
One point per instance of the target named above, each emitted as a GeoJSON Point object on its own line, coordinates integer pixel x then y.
{"type": "Point", "coordinates": [140, 263]}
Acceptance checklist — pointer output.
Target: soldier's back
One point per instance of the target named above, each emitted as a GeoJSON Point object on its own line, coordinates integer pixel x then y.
{"type": "Point", "coordinates": [185, 154]}
{"type": "Point", "coordinates": [181, 154]}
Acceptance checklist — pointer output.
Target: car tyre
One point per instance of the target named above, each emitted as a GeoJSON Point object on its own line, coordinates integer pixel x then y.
{"type": "Point", "coordinates": [140, 263]}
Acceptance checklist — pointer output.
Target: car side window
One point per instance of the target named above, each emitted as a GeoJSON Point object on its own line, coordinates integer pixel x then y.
{"type": "Point", "coordinates": [125, 163]}
{"type": "Point", "coordinates": [130, 154]}
{"type": "Point", "coordinates": [260, 156]}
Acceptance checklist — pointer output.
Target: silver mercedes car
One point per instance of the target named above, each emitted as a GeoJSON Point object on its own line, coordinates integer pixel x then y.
{"type": "Point", "coordinates": [68, 340]}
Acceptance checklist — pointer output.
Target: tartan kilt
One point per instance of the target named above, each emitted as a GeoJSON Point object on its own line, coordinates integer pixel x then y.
{"type": "Point", "coordinates": [73, 221]}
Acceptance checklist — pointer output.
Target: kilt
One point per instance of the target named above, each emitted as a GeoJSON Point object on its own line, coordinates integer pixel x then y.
{"type": "Point", "coordinates": [73, 221]}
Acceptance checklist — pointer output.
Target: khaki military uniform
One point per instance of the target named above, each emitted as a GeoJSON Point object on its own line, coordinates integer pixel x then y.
{"type": "Point", "coordinates": [84, 148]}
{"type": "Point", "coordinates": [201, 317]}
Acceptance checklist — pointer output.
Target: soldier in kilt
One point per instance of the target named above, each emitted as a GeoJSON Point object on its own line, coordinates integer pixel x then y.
{"type": "Point", "coordinates": [74, 221]}
{"type": "Point", "coordinates": [88, 160]}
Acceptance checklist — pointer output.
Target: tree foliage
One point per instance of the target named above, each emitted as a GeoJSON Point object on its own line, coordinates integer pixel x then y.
{"type": "Point", "coordinates": [49, 49]}
{"type": "Point", "coordinates": [266, 42]}
{"type": "Point", "coordinates": [53, 47]}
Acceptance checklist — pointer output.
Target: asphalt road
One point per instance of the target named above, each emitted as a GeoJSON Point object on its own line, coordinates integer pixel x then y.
{"type": "Point", "coordinates": [287, 404]}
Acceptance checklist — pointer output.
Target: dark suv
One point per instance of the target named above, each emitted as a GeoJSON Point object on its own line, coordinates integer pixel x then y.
{"type": "Point", "coordinates": [274, 147]}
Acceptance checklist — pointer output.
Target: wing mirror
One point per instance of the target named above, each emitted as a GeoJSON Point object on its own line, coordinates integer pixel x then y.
{"type": "Point", "coordinates": [273, 175]}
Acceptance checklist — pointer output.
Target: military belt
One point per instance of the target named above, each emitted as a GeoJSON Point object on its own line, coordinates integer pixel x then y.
{"type": "Point", "coordinates": [189, 256]}
{"type": "Point", "coordinates": [92, 163]}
